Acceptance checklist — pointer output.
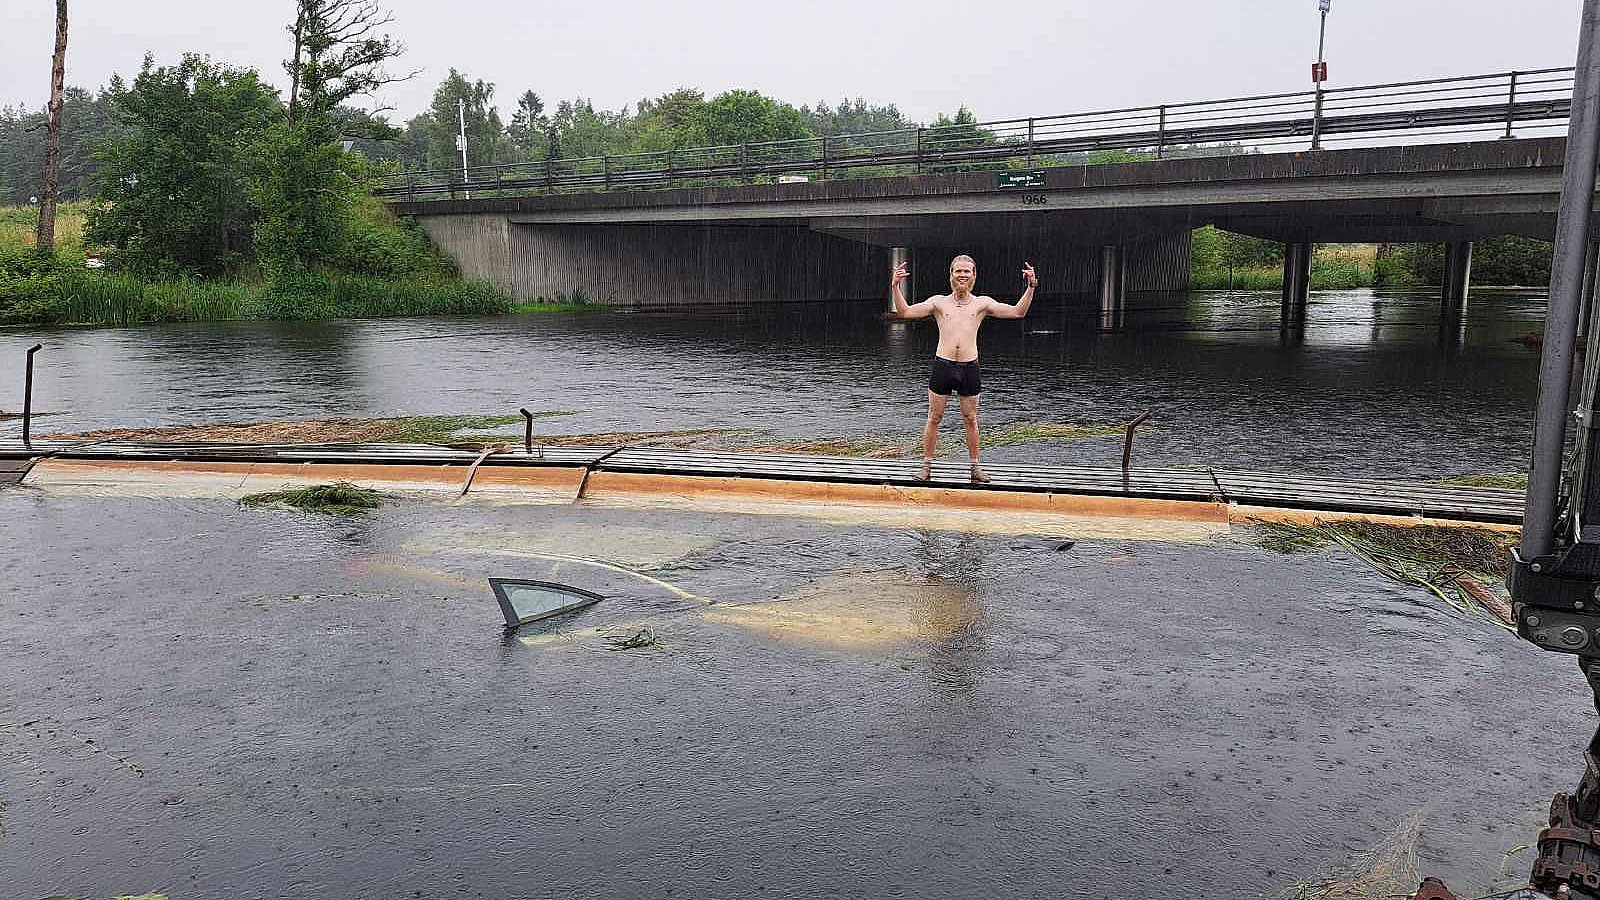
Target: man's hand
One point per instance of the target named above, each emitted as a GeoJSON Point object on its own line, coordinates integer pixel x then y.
{"type": "Point", "coordinates": [1028, 274]}
{"type": "Point", "coordinates": [901, 273]}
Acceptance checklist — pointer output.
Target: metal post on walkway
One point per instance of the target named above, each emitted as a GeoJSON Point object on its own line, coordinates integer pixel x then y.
{"type": "Point", "coordinates": [27, 397]}
{"type": "Point", "coordinates": [1566, 284]}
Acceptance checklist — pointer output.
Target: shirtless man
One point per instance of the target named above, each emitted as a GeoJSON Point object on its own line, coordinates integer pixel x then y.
{"type": "Point", "coordinates": [955, 363]}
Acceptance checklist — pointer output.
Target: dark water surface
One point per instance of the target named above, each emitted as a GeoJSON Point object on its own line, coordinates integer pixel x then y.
{"type": "Point", "coordinates": [227, 702]}
{"type": "Point", "coordinates": [1371, 386]}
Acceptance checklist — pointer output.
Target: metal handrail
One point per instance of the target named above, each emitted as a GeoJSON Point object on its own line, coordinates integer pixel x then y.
{"type": "Point", "coordinates": [1495, 102]}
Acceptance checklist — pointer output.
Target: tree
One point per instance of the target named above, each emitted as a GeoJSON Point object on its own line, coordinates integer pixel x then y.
{"type": "Point", "coordinates": [578, 130]}
{"type": "Point", "coordinates": [528, 127]}
{"type": "Point", "coordinates": [338, 55]}
{"type": "Point", "coordinates": [300, 179]}
{"type": "Point", "coordinates": [663, 123]}
{"type": "Point", "coordinates": [745, 117]}
{"type": "Point", "coordinates": [304, 191]}
{"type": "Point", "coordinates": [172, 186]}
{"type": "Point", "coordinates": [45, 234]}
{"type": "Point", "coordinates": [853, 117]}
{"type": "Point", "coordinates": [86, 121]}
{"type": "Point", "coordinates": [487, 143]}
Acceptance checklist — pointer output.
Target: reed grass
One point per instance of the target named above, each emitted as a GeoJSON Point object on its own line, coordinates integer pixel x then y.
{"type": "Point", "coordinates": [80, 297]}
{"type": "Point", "coordinates": [1432, 557]}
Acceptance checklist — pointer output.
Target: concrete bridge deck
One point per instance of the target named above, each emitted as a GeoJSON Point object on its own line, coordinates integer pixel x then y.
{"type": "Point", "coordinates": [827, 239]}
{"type": "Point", "coordinates": [1433, 192]}
{"type": "Point", "coordinates": [568, 473]}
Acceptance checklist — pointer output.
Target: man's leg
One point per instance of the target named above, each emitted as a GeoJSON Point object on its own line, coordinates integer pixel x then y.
{"type": "Point", "coordinates": [969, 415]}
{"type": "Point", "coordinates": [930, 432]}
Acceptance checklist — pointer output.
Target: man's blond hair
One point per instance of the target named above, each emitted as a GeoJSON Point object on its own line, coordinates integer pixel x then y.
{"type": "Point", "coordinates": [964, 258]}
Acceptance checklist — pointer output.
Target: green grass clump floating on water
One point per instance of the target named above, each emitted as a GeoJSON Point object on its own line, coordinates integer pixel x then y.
{"type": "Point", "coordinates": [438, 429]}
{"type": "Point", "coordinates": [341, 498]}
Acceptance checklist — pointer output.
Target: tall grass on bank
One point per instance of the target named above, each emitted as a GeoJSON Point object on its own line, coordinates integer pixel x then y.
{"type": "Point", "coordinates": [82, 297]}
{"type": "Point", "coordinates": [401, 275]}
{"type": "Point", "coordinates": [1330, 271]}
{"type": "Point", "coordinates": [18, 224]}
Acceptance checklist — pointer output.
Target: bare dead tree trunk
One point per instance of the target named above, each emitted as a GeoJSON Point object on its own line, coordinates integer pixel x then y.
{"type": "Point", "coordinates": [299, 31]}
{"type": "Point", "coordinates": [45, 237]}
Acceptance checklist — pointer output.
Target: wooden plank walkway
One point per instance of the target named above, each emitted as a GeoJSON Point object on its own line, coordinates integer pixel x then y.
{"type": "Point", "coordinates": [1301, 492]}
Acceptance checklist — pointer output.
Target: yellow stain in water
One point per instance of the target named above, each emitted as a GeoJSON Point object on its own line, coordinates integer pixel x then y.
{"type": "Point", "coordinates": [858, 611]}
{"type": "Point", "coordinates": [389, 566]}
{"type": "Point", "coordinates": [935, 519]}
{"type": "Point", "coordinates": [630, 547]}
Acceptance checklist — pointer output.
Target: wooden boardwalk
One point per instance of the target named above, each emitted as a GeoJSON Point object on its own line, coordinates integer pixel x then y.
{"type": "Point", "coordinates": [1255, 489]}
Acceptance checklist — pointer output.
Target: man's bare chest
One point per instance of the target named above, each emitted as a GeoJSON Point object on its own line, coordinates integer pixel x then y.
{"type": "Point", "coordinates": [963, 317]}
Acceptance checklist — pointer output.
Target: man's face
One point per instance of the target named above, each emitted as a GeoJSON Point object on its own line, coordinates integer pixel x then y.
{"type": "Point", "coordinates": [963, 275]}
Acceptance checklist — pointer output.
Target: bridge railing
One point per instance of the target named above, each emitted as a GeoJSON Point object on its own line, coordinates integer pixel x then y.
{"type": "Point", "coordinates": [1505, 104]}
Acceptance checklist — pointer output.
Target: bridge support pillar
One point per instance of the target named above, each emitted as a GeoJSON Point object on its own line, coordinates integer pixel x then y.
{"type": "Point", "coordinates": [1457, 276]}
{"type": "Point", "coordinates": [1113, 285]}
{"type": "Point", "coordinates": [1296, 283]}
{"type": "Point", "coordinates": [901, 256]}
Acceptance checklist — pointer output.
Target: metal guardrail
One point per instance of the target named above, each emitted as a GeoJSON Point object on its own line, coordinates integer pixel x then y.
{"type": "Point", "coordinates": [1498, 105]}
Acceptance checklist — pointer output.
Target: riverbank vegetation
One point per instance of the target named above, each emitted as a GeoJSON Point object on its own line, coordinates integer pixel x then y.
{"type": "Point", "coordinates": [1224, 260]}
{"type": "Point", "coordinates": [205, 195]}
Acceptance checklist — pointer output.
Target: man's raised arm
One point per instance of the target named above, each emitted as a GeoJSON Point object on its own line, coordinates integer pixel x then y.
{"type": "Point", "coordinates": [1008, 311]}
{"type": "Point", "coordinates": [913, 311]}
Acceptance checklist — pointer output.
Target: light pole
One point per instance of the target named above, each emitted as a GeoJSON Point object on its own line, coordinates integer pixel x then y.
{"type": "Point", "coordinates": [461, 142]}
{"type": "Point", "coordinates": [1319, 74]}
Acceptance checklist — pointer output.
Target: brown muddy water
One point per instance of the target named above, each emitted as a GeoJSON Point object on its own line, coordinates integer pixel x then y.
{"type": "Point", "coordinates": [1370, 386]}
{"type": "Point", "coordinates": [217, 701]}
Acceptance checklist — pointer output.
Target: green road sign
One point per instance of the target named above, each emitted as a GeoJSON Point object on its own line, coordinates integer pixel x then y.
{"type": "Point", "coordinates": [1033, 179]}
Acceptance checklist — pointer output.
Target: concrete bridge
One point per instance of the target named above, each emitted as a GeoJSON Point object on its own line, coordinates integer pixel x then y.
{"type": "Point", "coordinates": [1101, 230]}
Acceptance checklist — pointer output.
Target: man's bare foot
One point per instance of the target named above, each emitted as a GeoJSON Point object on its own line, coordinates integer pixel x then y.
{"type": "Point", "coordinates": [977, 474]}
{"type": "Point", "coordinates": [927, 469]}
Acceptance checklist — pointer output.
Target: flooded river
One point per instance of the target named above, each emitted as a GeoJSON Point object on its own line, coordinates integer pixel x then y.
{"type": "Point", "coordinates": [1371, 386]}
{"type": "Point", "coordinates": [217, 701]}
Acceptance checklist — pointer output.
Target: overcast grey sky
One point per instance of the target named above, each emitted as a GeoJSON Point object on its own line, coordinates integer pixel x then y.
{"type": "Point", "coordinates": [1002, 58]}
